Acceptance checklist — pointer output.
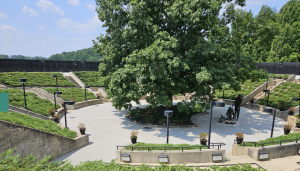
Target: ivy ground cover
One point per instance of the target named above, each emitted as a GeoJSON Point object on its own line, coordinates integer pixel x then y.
{"type": "Point", "coordinates": [11, 79]}
{"type": "Point", "coordinates": [75, 94]}
{"type": "Point", "coordinates": [39, 124]}
{"type": "Point", "coordinates": [90, 78]}
{"type": "Point", "coordinates": [33, 102]}
{"type": "Point", "coordinates": [282, 93]}
{"type": "Point", "coordinates": [246, 89]}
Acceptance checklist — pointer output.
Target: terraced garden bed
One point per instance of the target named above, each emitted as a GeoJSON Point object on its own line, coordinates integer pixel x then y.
{"type": "Point", "coordinates": [143, 146]}
{"type": "Point", "coordinates": [39, 124]}
{"type": "Point", "coordinates": [34, 103]}
{"type": "Point", "coordinates": [282, 93]}
{"type": "Point", "coordinates": [89, 78]}
{"type": "Point", "coordinates": [75, 94]}
{"type": "Point", "coordinates": [246, 89]}
{"type": "Point", "coordinates": [11, 79]}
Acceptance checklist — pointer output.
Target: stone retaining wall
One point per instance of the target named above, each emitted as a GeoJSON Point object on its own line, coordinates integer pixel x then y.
{"type": "Point", "coordinates": [84, 104]}
{"type": "Point", "coordinates": [38, 143]}
{"type": "Point", "coordinates": [279, 114]}
{"type": "Point", "coordinates": [175, 157]}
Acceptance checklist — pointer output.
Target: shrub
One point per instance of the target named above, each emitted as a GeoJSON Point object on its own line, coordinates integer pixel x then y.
{"type": "Point", "coordinates": [203, 135]}
{"type": "Point", "coordinates": [71, 93]}
{"type": "Point", "coordinates": [287, 126]}
{"type": "Point", "coordinates": [239, 135]}
{"type": "Point", "coordinates": [285, 77]}
{"type": "Point", "coordinates": [134, 134]}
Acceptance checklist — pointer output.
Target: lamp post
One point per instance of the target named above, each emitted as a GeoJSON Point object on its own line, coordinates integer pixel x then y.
{"type": "Point", "coordinates": [168, 113]}
{"type": "Point", "coordinates": [269, 110]}
{"type": "Point", "coordinates": [297, 99]}
{"type": "Point", "coordinates": [217, 104]}
{"type": "Point", "coordinates": [85, 87]}
{"type": "Point", "coordinates": [82, 65]}
{"type": "Point", "coordinates": [67, 103]}
{"type": "Point", "coordinates": [75, 63]}
{"type": "Point", "coordinates": [24, 80]}
{"type": "Point", "coordinates": [55, 76]}
{"type": "Point", "coordinates": [56, 92]}
{"type": "Point", "coordinates": [42, 60]}
{"type": "Point", "coordinates": [267, 91]}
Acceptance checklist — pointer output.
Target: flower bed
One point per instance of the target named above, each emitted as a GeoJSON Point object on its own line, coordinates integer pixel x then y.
{"type": "Point", "coordinates": [73, 93]}
{"type": "Point", "coordinates": [11, 79]}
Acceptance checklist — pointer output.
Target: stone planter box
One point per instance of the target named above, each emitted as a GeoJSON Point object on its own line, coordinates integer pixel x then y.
{"type": "Point", "coordinates": [175, 157]}
{"type": "Point", "coordinates": [275, 151]}
{"type": "Point", "coordinates": [84, 104]}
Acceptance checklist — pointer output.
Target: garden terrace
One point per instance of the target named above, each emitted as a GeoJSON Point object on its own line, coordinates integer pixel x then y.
{"type": "Point", "coordinates": [33, 102]}
{"type": "Point", "coordinates": [282, 93]}
{"type": "Point", "coordinates": [278, 76]}
{"type": "Point", "coordinates": [90, 78]}
{"type": "Point", "coordinates": [270, 141]}
{"type": "Point", "coordinates": [44, 79]}
{"type": "Point", "coordinates": [75, 94]}
{"type": "Point", "coordinates": [144, 146]}
{"type": "Point", "coordinates": [246, 89]}
{"type": "Point", "coordinates": [39, 124]}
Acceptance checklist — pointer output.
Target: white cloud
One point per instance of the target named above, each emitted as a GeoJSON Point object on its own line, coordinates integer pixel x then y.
{"type": "Point", "coordinates": [74, 2]}
{"type": "Point", "coordinates": [2, 15]}
{"type": "Point", "coordinates": [41, 27]}
{"type": "Point", "coordinates": [7, 28]}
{"type": "Point", "coordinates": [31, 12]}
{"type": "Point", "coordinates": [46, 6]}
{"type": "Point", "coordinates": [91, 24]}
{"type": "Point", "coordinates": [90, 6]}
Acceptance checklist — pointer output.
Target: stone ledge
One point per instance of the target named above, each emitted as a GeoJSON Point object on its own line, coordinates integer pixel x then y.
{"type": "Point", "coordinates": [84, 104]}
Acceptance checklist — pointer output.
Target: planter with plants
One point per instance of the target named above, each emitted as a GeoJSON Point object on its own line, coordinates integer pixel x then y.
{"type": "Point", "coordinates": [291, 110]}
{"type": "Point", "coordinates": [298, 123]}
{"type": "Point", "coordinates": [56, 118]}
{"type": "Point", "coordinates": [133, 137]}
{"type": "Point", "coordinates": [98, 96]}
{"type": "Point", "coordinates": [287, 128]}
{"type": "Point", "coordinates": [82, 128]}
{"type": "Point", "coordinates": [252, 100]}
{"type": "Point", "coordinates": [239, 137]}
{"type": "Point", "coordinates": [281, 105]}
{"type": "Point", "coordinates": [51, 111]}
{"type": "Point", "coordinates": [203, 136]}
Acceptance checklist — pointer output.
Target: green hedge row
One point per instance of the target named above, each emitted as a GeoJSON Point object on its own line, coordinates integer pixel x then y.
{"type": "Point", "coordinates": [11, 79]}
{"type": "Point", "coordinates": [161, 146]}
{"type": "Point", "coordinates": [75, 94]}
{"type": "Point", "coordinates": [89, 78]}
{"type": "Point", "coordinates": [39, 124]}
{"type": "Point", "coordinates": [34, 103]}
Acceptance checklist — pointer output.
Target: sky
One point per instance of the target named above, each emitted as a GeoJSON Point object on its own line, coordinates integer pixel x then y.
{"type": "Point", "coordinates": [47, 27]}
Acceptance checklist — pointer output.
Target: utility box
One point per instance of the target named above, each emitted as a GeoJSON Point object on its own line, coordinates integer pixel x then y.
{"type": "Point", "coordinates": [170, 112]}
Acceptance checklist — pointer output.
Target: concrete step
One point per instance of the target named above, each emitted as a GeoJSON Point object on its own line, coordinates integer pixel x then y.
{"type": "Point", "coordinates": [73, 81]}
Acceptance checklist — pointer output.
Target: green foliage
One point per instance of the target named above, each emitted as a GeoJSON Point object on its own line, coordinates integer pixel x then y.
{"type": "Point", "coordinates": [39, 124]}
{"type": "Point", "coordinates": [181, 47]}
{"type": "Point", "coordinates": [144, 146]}
{"type": "Point", "coordinates": [80, 55]}
{"type": "Point", "coordinates": [70, 93]}
{"type": "Point", "coordinates": [14, 162]}
{"type": "Point", "coordinates": [90, 78]}
{"type": "Point", "coordinates": [275, 139]}
{"type": "Point", "coordinates": [11, 79]}
{"type": "Point", "coordinates": [34, 103]}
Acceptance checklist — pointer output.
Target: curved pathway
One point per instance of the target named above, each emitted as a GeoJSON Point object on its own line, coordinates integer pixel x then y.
{"type": "Point", "coordinates": [107, 127]}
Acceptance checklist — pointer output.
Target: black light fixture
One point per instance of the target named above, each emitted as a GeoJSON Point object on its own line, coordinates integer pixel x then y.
{"type": "Point", "coordinates": [217, 104]}
{"type": "Point", "coordinates": [297, 99]}
{"type": "Point", "coordinates": [267, 91]}
{"type": "Point", "coordinates": [67, 103]}
{"type": "Point", "coordinates": [82, 61]}
{"type": "Point", "coordinates": [42, 60]}
{"type": "Point", "coordinates": [24, 80]}
{"type": "Point", "coordinates": [55, 76]}
{"type": "Point", "coordinates": [56, 92]}
{"type": "Point", "coordinates": [75, 63]}
{"type": "Point", "coordinates": [85, 87]}
{"type": "Point", "coordinates": [168, 113]}
{"type": "Point", "coordinates": [270, 110]}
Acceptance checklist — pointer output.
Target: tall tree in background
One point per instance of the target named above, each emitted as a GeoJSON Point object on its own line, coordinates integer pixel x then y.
{"type": "Point", "coordinates": [167, 47]}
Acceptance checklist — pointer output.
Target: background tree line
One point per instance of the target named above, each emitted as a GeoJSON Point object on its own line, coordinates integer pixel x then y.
{"type": "Point", "coordinates": [84, 54]}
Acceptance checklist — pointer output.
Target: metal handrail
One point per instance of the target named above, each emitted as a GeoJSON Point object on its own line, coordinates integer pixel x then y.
{"type": "Point", "coordinates": [148, 147]}
{"type": "Point", "coordinates": [269, 142]}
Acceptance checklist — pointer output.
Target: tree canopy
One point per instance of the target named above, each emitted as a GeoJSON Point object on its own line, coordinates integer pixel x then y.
{"type": "Point", "coordinates": [169, 47]}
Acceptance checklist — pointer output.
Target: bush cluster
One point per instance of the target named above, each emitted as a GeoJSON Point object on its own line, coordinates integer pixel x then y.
{"type": "Point", "coordinates": [39, 124]}
{"type": "Point", "coordinates": [11, 79]}
{"type": "Point", "coordinates": [75, 94]}
{"type": "Point", "coordinates": [279, 76]}
{"type": "Point", "coordinates": [161, 146]}
{"type": "Point", "coordinates": [34, 103]}
{"type": "Point", "coordinates": [90, 78]}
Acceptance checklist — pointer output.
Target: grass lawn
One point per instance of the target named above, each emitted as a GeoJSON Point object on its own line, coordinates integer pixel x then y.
{"type": "Point", "coordinates": [274, 139]}
{"type": "Point", "coordinates": [11, 79]}
{"type": "Point", "coordinates": [89, 78]}
{"type": "Point", "coordinates": [73, 93]}
{"type": "Point", "coordinates": [145, 145]}
{"type": "Point", "coordinates": [34, 103]}
{"type": "Point", "coordinates": [284, 92]}
{"type": "Point", "coordinates": [40, 124]}
{"type": "Point", "coordinates": [246, 89]}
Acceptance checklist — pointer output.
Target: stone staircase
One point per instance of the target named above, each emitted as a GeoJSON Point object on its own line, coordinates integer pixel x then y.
{"type": "Point", "coordinates": [270, 88]}
{"type": "Point", "coordinates": [73, 81]}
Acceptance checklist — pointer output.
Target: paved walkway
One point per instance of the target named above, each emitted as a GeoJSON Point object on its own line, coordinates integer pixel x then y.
{"type": "Point", "coordinates": [107, 127]}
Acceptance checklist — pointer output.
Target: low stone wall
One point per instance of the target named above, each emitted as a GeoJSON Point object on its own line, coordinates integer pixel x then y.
{"type": "Point", "coordinates": [84, 104]}
{"type": "Point", "coordinates": [227, 101]}
{"type": "Point", "coordinates": [75, 78]}
{"type": "Point", "coordinates": [257, 90]}
{"type": "Point", "coordinates": [275, 151]}
{"type": "Point", "coordinates": [175, 157]}
{"type": "Point", "coordinates": [38, 143]}
{"type": "Point", "coordinates": [291, 78]}
{"type": "Point", "coordinates": [279, 114]}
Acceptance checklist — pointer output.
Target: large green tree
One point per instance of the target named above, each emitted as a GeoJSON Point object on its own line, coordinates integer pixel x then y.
{"type": "Point", "coordinates": [166, 47]}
